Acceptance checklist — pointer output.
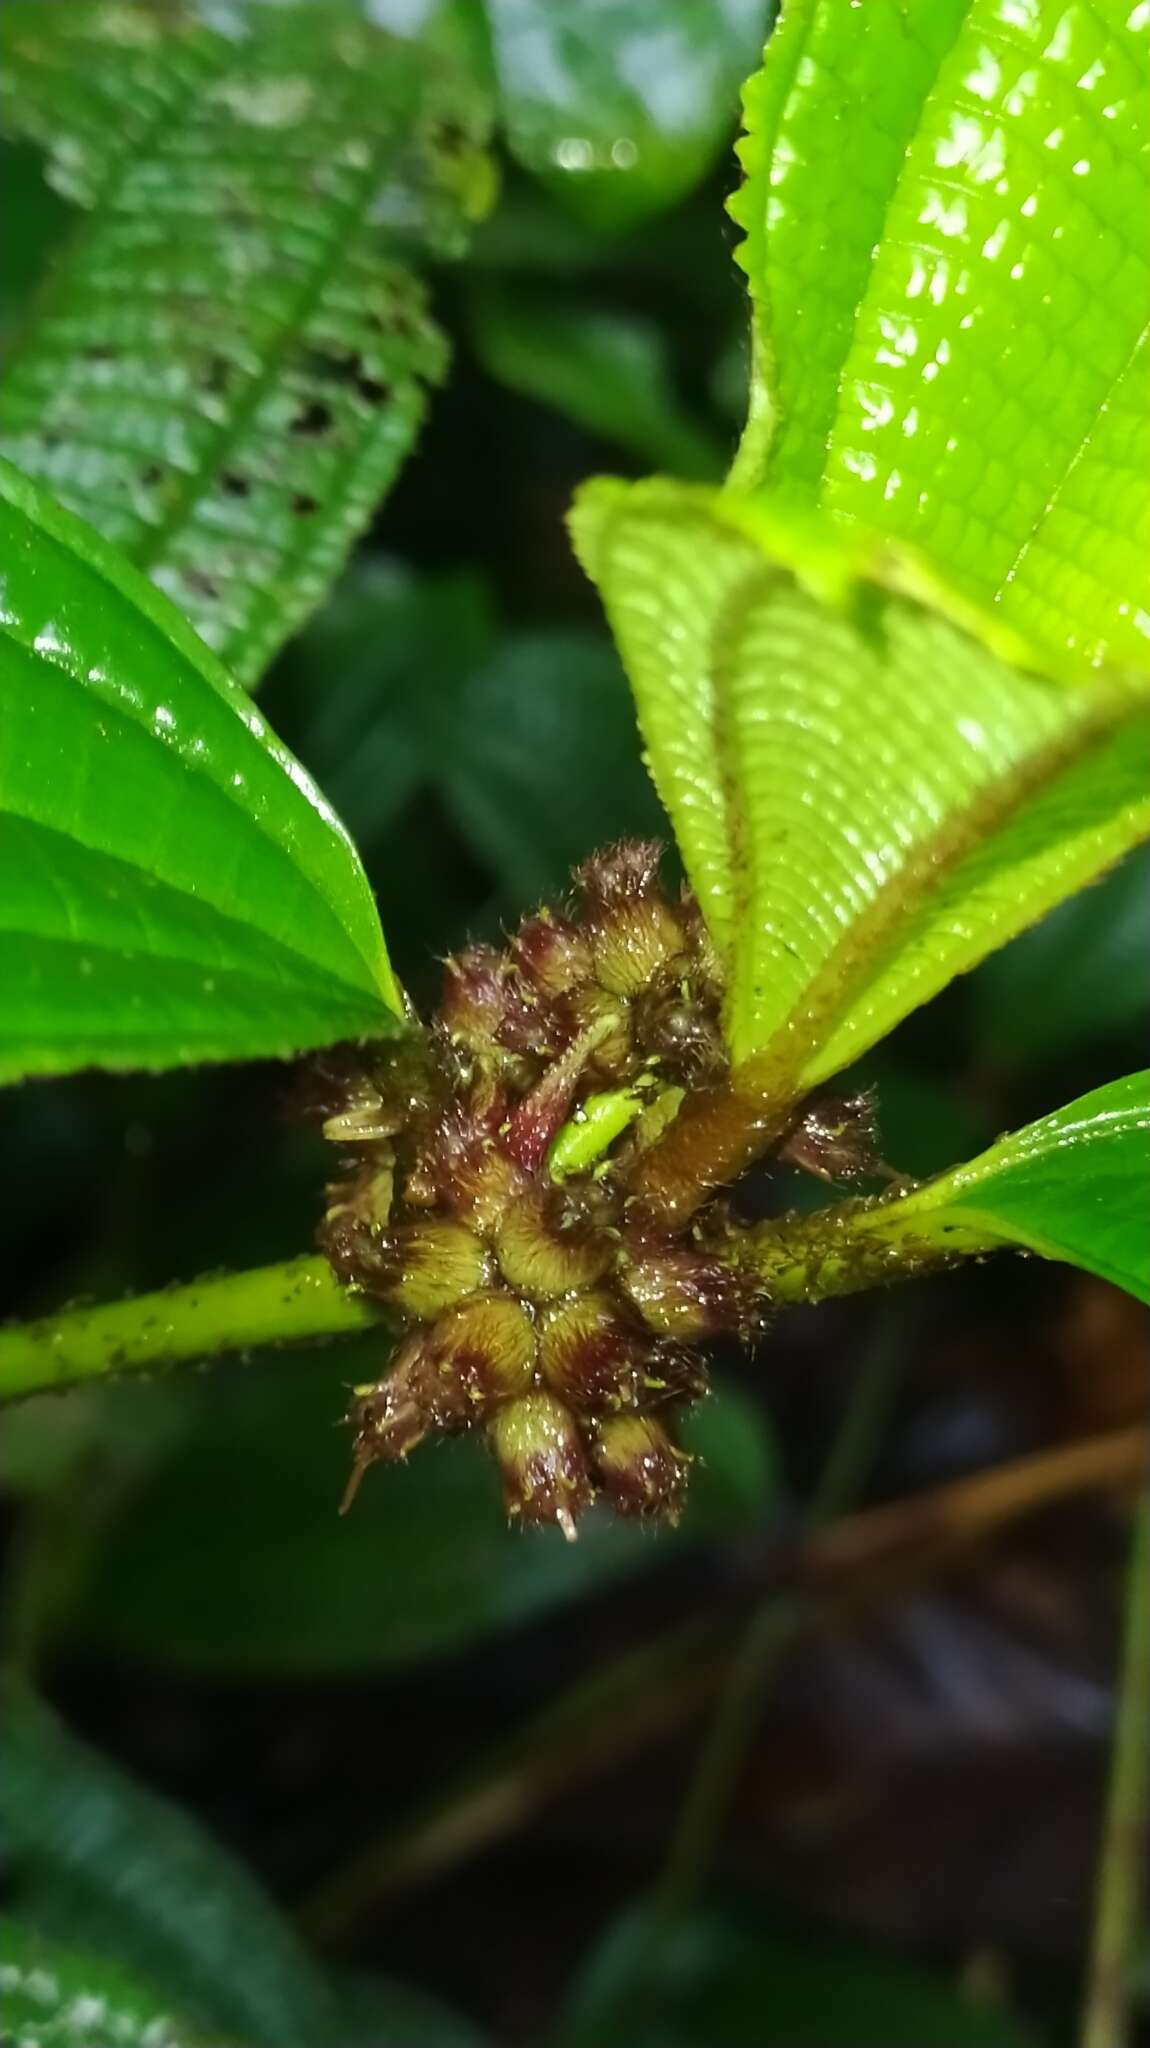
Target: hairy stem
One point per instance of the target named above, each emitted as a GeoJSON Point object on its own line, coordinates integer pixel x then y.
{"type": "Point", "coordinates": [269, 1305]}
{"type": "Point", "coordinates": [1107, 2021]}
{"type": "Point", "coordinates": [854, 1245]}
{"type": "Point", "coordinates": [840, 1250]}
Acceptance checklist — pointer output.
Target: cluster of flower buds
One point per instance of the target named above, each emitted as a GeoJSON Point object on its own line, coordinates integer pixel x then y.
{"type": "Point", "coordinates": [486, 1202]}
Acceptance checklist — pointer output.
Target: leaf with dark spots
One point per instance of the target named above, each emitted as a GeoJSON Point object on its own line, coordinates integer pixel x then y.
{"type": "Point", "coordinates": [231, 277]}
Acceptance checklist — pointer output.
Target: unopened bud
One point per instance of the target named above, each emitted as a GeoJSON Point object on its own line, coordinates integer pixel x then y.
{"type": "Point", "coordinates": [430, 1265]}
{"type": "Point", "coordinates": [553, 955]}
{"type": "Point", "coordinates": [471, 1171]}
{"type": "Point", "coordinates": [607, 1019]}
{"type": "Point", "coordinates": [390, 1418]}
{"type": "Point", "coordinates": [590, 1355]}
{"type": "Point", "coordinates": [682, 1292]}
{"type": "Point", "coordinates": [674, 1025]}
{"type": "Point", "coordinates": [541, 1457]}
{"type": "Point", "coordinates": [633, 929]}
{"type": "Point", "coordinates": [836, 1138]}
{"type": "Point", "coordinates": [641, 1470]}
{"type": "Point", "coordinates": [477, 1355]}
{"type": "Point", "coordinates": [545, 1247]}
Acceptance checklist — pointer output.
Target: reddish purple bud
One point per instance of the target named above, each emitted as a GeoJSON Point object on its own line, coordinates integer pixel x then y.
{"type": "Point", "coordinates": [390, 1418]}
{"type": "Point", "coordinates": [836, 1138]}
{"type": "Point", "coordinates": [641, 1471]}
{"type": "Point", "coordinates": [428, 1266]}
{"type": "Point", "coordinates": [552, 954]}
{"type": "Point", "coordinates": [620, 872]}
{"type": "Point", "coordinates": [591, 1355]}
{"type": "Point", "coordinates": [476, 1356]}
{"type": "Point", "coordinates": [633, 929]}
{"type": "Point", "coordinates": [546, 1246]}
{"type": "Point", "coordinates": [544, 1466]}
{"type": "Point", "coordinates": [682, 1292]}
{"type": "Point", "coordinates": [680, 1029]}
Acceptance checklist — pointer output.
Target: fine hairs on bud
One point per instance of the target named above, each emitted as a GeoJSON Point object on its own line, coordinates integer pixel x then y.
{"type": "Point", "coordinates": [491, 1202]}
{"type": "Point", "coordinates": [540, 1452]}
{"type": "Point", "coordinates": [642, 1471]}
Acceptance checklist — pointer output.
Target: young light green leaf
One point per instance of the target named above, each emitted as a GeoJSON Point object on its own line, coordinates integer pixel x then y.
{"type": "Point", "coordinates": [175, 887]}
{"type": "Point", "coordinates": [952, 301]}
{"type": "Point", "coordinates": [52, 1996]}
{"type": "Point", "coordinates": [1071, 1187]}
{"type": "Point", "coordinates": [621, 105]}
{"type": "Point", "coordinates": [229, 366]}
{"type": "Point", "coordinates": [870, 784]}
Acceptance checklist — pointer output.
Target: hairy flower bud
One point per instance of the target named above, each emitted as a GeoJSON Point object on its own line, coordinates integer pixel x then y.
{"type": "Point", "coordinates": [633, 929]}
{"type": "Point", "coordinates": [390, 1418]}
{"type": "Point", "coordinates": [486, 1012]}
{"type": "Point", "coordinates": [552, 954]}
{"type": "Point", "coordinates": [680, 1029]}
{"type": "Point", "coordinates": [590, 1354]}
{"type": "Point", "coordinates": [641, 1470]}
{"type": "Point", "coordinates": [836, 1137]}
{"type": "Point", "coordinates": [429, 1266]}
{"type": "Point", "coordinates": [682, 1292]}
{"type": "Point", "coordinates": [541, 1456]}
{"type": "Point", "coordinates": [475, 1356]}
{"type": "Point", "coordinates": [545, 1246]}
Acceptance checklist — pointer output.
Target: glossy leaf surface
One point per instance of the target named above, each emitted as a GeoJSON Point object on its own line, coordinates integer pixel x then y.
{"type": "Point", "coordinates": [174, 886]}
{"type": "Point", "coordinates": [944, 209]}
{"type": "Point", "coordinates": [229, 366]}
{"type": "Point", "coordinates": [869, 789]}
{"type": "Point", "coordinates": [621, 105]}
{"type": "Point", "coordinates": [1073, 1186]}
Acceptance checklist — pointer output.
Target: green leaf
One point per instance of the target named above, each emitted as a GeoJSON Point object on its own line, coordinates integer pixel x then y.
{"type": "Point", "coordinates": [1072, 1187]}
{"type": "Point", "coordinates": [229, 367]}
{"type": "Point", "coordinates": [608, 371]}
{"type": "Point", "coordinates": [290, 1587]}
{"type": "Point", "coordinates": [870, 784]}
{"type": "Point", "coordinates": [97, 1859]}
{"type": "Point", "coordinates": [713, 1979]}
{"type": "Point", "coordinates": [952, 303]}
{"type": "Point", "coordinates": [57, 1997]}
{"type": "Point", "coordinates": [622, 105]}
{"type": "Point", "coordinates": [175, 887]}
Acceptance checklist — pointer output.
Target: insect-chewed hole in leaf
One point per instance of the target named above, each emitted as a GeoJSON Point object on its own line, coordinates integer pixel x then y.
{"type": "Point", "coordinates": [218, 375]}
{"type": "Point", "coordinates": [312, 420]}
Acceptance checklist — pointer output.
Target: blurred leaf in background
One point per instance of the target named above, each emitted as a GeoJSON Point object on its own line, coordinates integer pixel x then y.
{"type": "Point", "coordinates": [621, 105]}
{"type": "Point", "coordinates": [427, 1563]}
{"type": "Point", "coordinates": [97, 1862]}
{"type": "Point", "coordinates": [725, 1978]}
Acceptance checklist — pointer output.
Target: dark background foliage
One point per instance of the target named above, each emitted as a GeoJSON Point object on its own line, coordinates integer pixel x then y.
{"type": "Point", "coordinates": [509, 1727]}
